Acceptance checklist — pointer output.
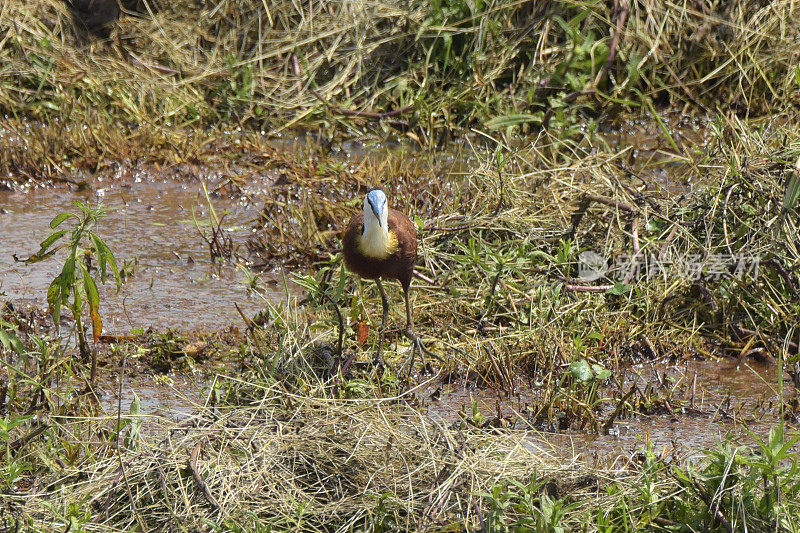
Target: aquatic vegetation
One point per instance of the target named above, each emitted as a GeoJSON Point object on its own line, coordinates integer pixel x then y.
{"type": "Point", "coordinates": [8, 337]}
{"type": "Point", "coordinates": [75, 288]}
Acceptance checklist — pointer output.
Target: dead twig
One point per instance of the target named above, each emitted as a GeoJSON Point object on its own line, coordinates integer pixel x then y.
{"type": "Point", "coordinates": [664, 247]}
{"type": "Point", "coordinates": [708, 501]}
{"type": "Point", "coordinates": [460, 227]}
{"type": "Point", "coordinates": [199, 480]}
{"type": "Point", "coordinates": [613, 203]}
{"type": "Point", "coordinates": [795, 347]}
{"type": "Point", "coordinates": [22, 441]}
{"type": "Point", "coordinates": [636, 252]}
{"type": "Point", "coordinates": [423, 277]}
{"type": "Point", "coordinates": [586, 201]}
{"type": "Point", "coordinates": [610, 422]}
{"type": "Point", "coordinates": [621, 11]}
{"type": "Point", "coordinates": [787, 278]}
{"type": "Point", "coordinates": [249, 323]}
{"type": "Point", "coordinates": [588, 288]}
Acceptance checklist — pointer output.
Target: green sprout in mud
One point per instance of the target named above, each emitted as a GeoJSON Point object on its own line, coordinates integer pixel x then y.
{"type": "Point", "coordinates": [8, 339]}
{"type": "Point", "coordinates": [75, 288]}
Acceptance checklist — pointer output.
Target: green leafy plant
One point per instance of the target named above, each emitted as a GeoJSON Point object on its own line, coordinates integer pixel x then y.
{"type": "Point", "coordinates": [516, 506]}
{"type": "Point", "coordinates": [792, 193]}
{"type": "Point", "coordinates": [584, 373]}
{"type": "Point", "coordinates": [446, 32]}
{"type": "Point", "coordinates": [75, 288]}
{"type": "Point", "coordinates": [133, 423]}
{"type": "Point", "coordinates": [12, 468]}
{"type": "Point", "coordinates": [8, 339]}
{"type": "Point", "coordinates": [383, 514]}
{"type": "Point", "coordinates": [253, 279]}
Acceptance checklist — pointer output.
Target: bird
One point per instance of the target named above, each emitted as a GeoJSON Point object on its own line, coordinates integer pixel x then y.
{"type": "Point", "coordinates": [381, 243]}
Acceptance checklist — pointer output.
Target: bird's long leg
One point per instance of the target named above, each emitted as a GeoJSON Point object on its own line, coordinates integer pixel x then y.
{"type": "Point", "coordinates": [385, 303]}
{"type": "Point", "coordinates": [416, 344]}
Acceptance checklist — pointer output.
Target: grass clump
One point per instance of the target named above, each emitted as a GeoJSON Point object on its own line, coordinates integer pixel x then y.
{"type": "Point", "coordinates": [362, 67]}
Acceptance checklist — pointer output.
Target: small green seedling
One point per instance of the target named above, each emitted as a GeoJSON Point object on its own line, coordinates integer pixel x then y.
{"type": "Point", "coordinates": [8, 339]}
{"type": "Point", "coordinates": [75, 287]}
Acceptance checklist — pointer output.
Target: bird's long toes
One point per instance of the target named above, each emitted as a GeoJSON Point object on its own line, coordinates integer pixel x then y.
{"type": "Point", "coordinates": [409, 363]}
{"type": "Point", "coordinates": [378, 361]}
{"type": "Point", "coordinates": [417, 343]}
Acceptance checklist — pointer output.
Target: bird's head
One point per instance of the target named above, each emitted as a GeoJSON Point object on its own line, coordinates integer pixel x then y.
{"type": "Point", "coordinates": [376, 210]}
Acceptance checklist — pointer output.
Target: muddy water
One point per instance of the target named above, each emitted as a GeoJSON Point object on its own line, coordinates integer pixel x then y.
{"type": "Point", "coordinates": [652, 160]}
{"type": "Point", "coordinates": [173, 397]}
{"type": "Point", "coordinates": [711, 400]}
{"type": "Point", "coordinates": [174, 284]}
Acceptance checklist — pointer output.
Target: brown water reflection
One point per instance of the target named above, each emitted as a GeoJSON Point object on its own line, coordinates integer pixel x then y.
{"type": "Point", "coordinates": [712, 399]}
{"type": "Point", "coordinates": [173, 397]}
{"type": "Point", "coordinates": [728, 400]}
{"type": "Point", "coordinates": [149, 224]}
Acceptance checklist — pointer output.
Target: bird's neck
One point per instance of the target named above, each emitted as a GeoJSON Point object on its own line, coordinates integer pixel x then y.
{"type": "Point", "coordinates": [377, 242]}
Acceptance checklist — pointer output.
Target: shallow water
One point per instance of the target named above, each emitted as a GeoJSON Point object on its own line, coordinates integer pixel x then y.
{"type": "Point", "coordinates": [149, 225]}
{"type": "Point", "coordinates": [168, 397]}
{"type": "Point", "coordinates": [727, 398]}
{"type": "Point", "coordinates": [652, 160]}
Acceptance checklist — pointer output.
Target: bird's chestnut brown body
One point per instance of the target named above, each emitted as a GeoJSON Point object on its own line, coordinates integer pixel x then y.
{"type": "Point", "coordinates": [397, 264]}
{"type": "Point", "coordinates": [379, 243]}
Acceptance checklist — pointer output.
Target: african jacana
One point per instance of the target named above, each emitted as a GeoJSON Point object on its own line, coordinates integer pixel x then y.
{"type": "Point", "coordinates": [381, 242]}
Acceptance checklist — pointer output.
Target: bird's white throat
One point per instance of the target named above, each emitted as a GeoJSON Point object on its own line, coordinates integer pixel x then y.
{"type": "Point", "coordinates": [376, 241]}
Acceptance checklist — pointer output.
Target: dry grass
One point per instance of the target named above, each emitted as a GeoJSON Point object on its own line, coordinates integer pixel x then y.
{"type": "Point", "coordinates": [302, 463]}
{"type": "Point", "coordinates": [174, 70]}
